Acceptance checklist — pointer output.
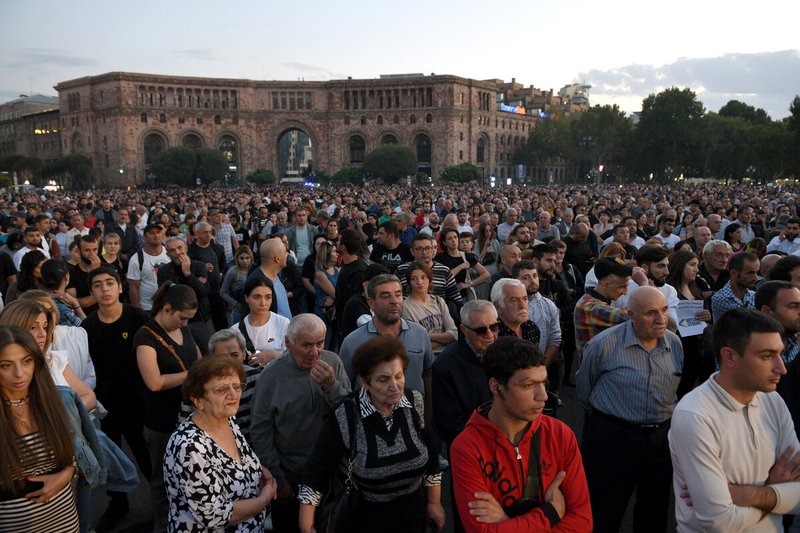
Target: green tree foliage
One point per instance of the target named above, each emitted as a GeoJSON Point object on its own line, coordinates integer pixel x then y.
{"type": "Point", "coordinates": [391, 162]}
{"type": "Point", "coordinates": [348, 175]}
{"type": "Point", "coordinates": [261, 176]}
{"type": "Point", "coordinates": [183, 166]}
{"type": "Point", "coordinates": [72, 171]}
{"type": "Point", "coordinates": [669, 132]}
{"type": "Point", "coordinates": [463, 173]}
{"type": "Point", "coordinates": [210, 165]}
{"type": "Point", "coordinates": [737, 109]}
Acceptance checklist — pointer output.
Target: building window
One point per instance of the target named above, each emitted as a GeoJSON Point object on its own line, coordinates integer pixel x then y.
{"type": "Point", "coordinates": [363, 120]}
{"type": "Point", "coordinates": [379, 121]}
{"type": "Point", "coordinates": [181, 120]}
{"type": "Point", "coordinates": [199, 120]}
{"type": "Point", "coordinates": [309, 101]}
{"type": "Point", "coordinates": [389, 139]}
{"type": "Point", "coordinates": [192, 141]}
{"type": "Point", "coordinates": [481, 152]}
{"type": "Point", "coordinates": [346, 99]}
{"type": "Point", "coordinates": [412, 119]}
{"type": "Point", "coordinates": [143, 117]}
{"type": "Point", "coordinates": [346, 121]}
{"type": "Point", "coordinates": [428, 118]}
{"type": "Point", "coordinates": [461, 136]}
{"type": "Point", "coordinates": [162, 118]}
{"type": "Point", "coordinates": [235, 119]}
{"type": "Point", "coordinates": [230, 151]}
{"type": "Point", "coordinates": [274, 100]}
{"type": "Point", "coordinates": [461, 154]}
{"type": "Point", "coordinates": [153, 145]}
{"type": "Point", "coordinates": [217, 119]}
{"type": "Point", "coordinates": [396, 119]}
{"type": "Point", "coordinates": [357, 149]}
{"type": "Point", "coordinates": [423, 145]}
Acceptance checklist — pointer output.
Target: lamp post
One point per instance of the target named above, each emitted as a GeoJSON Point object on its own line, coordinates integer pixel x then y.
{"type": "Point", "coordinates": [667, 173]}
{"type": "Point", "coordinates": [750, 171]}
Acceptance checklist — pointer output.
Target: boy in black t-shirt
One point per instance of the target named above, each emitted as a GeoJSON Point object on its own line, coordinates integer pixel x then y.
{"type": "Point", "coordinates": [111, 330]}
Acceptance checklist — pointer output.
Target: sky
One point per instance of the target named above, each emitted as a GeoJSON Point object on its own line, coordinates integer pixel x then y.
{"type": "Point", "coordinates": [625, 49]}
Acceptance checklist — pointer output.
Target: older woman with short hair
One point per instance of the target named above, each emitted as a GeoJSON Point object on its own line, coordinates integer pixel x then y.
{"type": "Point", "coordinates": [395, 466]}
{"type": "Point", "coordinates": [213, 477]}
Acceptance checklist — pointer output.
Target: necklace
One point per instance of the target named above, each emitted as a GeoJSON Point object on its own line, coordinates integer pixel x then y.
{"type": "Point", "coordinates": [16, 403]}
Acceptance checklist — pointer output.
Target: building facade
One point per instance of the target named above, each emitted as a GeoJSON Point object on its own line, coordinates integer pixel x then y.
{"type": "Point", "coordinates": [29, 128]}
{"type": "Point", "coordinates": [123, 120]}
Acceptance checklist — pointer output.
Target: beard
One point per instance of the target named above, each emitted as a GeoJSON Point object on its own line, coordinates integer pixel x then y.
{"type": "Point", "coordinates": [658, 282]}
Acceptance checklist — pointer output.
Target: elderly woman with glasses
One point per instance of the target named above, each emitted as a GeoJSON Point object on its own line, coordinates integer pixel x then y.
{"type": "Point", "coordinates": [213, 477]}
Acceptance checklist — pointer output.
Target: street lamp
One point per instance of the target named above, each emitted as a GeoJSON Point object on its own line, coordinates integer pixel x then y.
{"type": "Point", "coordinates": [667, 173]}
{"type": "Point", "coordinates": [750, 171]}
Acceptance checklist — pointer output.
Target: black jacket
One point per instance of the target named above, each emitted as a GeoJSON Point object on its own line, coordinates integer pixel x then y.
{"type": "Point", "coordinates": [173, 273]}
{"type": "Point", "coordinates": [459, 386]}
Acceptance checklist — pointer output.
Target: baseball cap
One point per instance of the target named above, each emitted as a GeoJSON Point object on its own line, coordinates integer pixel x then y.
{"type": "Point", "coordinates": [153, 226]}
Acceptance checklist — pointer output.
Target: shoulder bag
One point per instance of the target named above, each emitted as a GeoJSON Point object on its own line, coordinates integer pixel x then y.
{"type": "Point", "coordinates": [344, 505]}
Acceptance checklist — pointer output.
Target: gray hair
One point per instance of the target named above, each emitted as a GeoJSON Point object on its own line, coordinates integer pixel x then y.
{"type": "Point", "coordinates": [500, 285]}
{"type": "Point", "coordinates": [716, 243]}
{"type": "Point", "coordinates": [200, 226]}
{"type": "Point", "coordinates": [510, 211]}
{"type": "Point", "coordinates": [226, 335]}
{"type": "Point", "coordinates": [173, 239]}
{"type": "Point", "coordinates": [380, 279]}
{"type": "Point", "coordinates": [476, 306]}
{"type": "Point", "coordinates": [304, 323]}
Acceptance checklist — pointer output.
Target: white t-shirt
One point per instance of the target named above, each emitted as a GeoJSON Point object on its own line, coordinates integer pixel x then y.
{"type": "Point", "coordinates": [270, 336]}
{"type": "Point", "coordinates": [147, 276]}
{"type": "Point", "coordinates": [19, 254]}
{"type": "Point", "coordinates": [58, 363]}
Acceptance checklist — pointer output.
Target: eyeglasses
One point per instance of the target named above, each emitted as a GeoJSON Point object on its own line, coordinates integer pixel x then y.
{"type": "Point", "coordinates": [223, 389]}
{"type": "Point", "coordinates": [424, 249]}
{"type": "Point", "coordinates": [482, 330]}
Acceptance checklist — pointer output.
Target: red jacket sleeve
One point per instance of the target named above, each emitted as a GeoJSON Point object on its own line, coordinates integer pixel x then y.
{"type": "Point", "coordinates": [578, 516]}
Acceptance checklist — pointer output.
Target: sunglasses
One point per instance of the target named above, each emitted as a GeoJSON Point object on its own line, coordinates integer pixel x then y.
{"type": "Point", "coordinates": [483, 329]}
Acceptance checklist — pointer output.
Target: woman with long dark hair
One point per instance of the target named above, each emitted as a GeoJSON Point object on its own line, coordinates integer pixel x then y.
{"type": "Point", "coordinates": [733, 236]}
{"type": "Point", "coordinates": [264, 329]}
{"type": "Point", "coordinates": [29, 276]}
{"type": "Point", "coordinates": [683, 268]}
{"type": "Point", "coordinates": [165, 350]}
{"type": "Point", "coordinates": [37, 456]}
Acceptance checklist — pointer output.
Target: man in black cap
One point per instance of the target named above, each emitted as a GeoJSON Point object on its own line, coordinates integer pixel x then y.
{"type": "Point", "coordinates": [594, 312]}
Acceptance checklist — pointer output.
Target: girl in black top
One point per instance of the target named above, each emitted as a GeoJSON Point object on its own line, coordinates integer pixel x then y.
{"type": "Point", "coordinates": [165, 350]}
{"type": "Point", "coordinates": [459, 262]}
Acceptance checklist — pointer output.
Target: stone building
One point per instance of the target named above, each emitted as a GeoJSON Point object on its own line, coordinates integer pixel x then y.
{"type": "Point", "coordinates": [29, 127]}
{"type": "Point", "coordinates": [123, 120]}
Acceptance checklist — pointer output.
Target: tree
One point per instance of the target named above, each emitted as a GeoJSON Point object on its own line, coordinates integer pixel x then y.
{"type": "Point", "coordinates": [463, 173]}
{"type": "Point", "coordinates": [602, 134]}
{"type": "Point", "coordinates": [391, 162]}
{"type": "Point", "coordinates": [72, 171]}
{"type": "Point", "coordinates": [737, 109]}
{"type": "Point", "coordinates": [668, 134]}
{"type": "Point", "coordinates": [175, 165]}
{"type": "Point", "coordinates": [261, 176]}
{"type": "Point", "coordinates": [210, 165]}
{"type": "Point", "coordinates": [348, 175]}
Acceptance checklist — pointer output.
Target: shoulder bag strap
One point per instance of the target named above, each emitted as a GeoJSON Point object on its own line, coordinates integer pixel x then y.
{"type": "Point", "coordinates": [351, 411]}
{"type": "Point", "coordinates": [248, 342]}
{"type": "Point", "coordinates": [168, 346]}
{"type": "Point", "coordinates": [533, 479]}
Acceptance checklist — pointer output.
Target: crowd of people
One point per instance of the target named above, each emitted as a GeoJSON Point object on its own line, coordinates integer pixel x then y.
{"type": "Point", "coordinates": [320, 359]}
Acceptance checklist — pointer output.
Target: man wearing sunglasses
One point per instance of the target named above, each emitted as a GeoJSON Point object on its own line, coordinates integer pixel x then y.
{"type": "Point", "coordinates": [512, 466]}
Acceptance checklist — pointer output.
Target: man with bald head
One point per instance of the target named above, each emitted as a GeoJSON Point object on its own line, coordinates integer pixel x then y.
{"type": "Point", "coordinates": [273, 259]}
{"type": "Point", "coordinates": [628, 381]}
{"type": "Point", "coordinates": [581, 248]}
{"type": "Point", "coordinates": [702, 236]}
{"type": "Point", "coordinates": [510, 256]}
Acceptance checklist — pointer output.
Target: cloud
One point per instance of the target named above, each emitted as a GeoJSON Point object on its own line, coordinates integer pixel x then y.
{"type": "Point", "coordinates": [768, 80]}
{"type": "Point", "coordinates": [204, 54]}
{"type": "Point", "coordinates": [27, 57]}
{"type": "Point", "coordinates": [313, 72]}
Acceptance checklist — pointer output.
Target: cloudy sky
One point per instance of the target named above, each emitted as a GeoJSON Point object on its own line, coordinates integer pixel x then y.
{"type": "Point", "coordinates": [625, 49]}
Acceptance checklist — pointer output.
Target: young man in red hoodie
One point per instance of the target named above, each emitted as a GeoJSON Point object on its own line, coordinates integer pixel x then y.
{"type": "Point", "coordinates": [515, 469]}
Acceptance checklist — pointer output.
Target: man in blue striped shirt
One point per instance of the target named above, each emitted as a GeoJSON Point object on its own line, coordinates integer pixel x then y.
{"type": "Point", "coordinates": [628, 381]}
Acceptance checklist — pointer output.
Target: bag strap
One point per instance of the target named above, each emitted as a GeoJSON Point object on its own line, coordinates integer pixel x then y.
{"type": "Point", "coordinates": [168, 346]}
{"type": "Point", "coordinates": [533, 479]}
{"type": "Point", "coordinates": [248, 342]}
{"type": "Point", "coordinates": [351, 412]}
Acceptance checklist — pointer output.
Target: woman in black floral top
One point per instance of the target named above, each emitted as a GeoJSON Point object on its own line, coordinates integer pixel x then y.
{"type": "Point", "coordinates": [214, 480]}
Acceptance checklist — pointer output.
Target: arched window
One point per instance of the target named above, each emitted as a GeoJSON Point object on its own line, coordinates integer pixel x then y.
{"type": "Point", "coordinates": [396, 119]}
{"type": "Point", "coordinates": [379, 120]}
{"type": "Point", "coordinates": [423, 145]}
{"type": "Point", "coordinates": [230, 150]}
{"type": "Point", "coordinates": [428, 118]}
{"type": "Point", "coordinates": [412, 119]}
{"type": "Point", "coordinates": [357, 149]}
{"type": "Point", "coordinates": [363, 120]}
{"type": "Point", "coordinates": [217, 119]}
{"type": "Point", "coordinates": [389, 139]}
{"type": "Point", "coordinates": [192, 140]}
{"type": "Point", "coordinates": [346, 121]}
{"type": "Point", "coordinates": [162, 118]}
{"type": "Point", "coordinates": [153, 145]}
{"type": "Point", "coordinates": [481, 151]}
{"type": "Point", "coordinates": [143, 117]}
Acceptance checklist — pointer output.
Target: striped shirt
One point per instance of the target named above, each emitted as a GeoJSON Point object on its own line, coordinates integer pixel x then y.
{"type": "Point", "coordinates": [544, 313]}
{"type": "Point", "coordinates": [444, 284]}
{"type": "Point", "coordinates": [22, 515]}
{"type": "Point", "coordinates": [620, 377]}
